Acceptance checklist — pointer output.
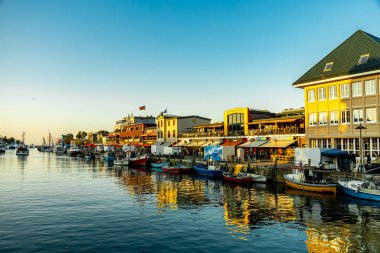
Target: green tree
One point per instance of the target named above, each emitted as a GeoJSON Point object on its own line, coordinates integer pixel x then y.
{"type": "Point", "coordinates": [67, 138]}
{"type": "Point", "coordinates": [81, 135]}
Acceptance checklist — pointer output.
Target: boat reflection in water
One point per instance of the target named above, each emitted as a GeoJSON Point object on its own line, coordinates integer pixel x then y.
{"type": "Point", "coordinates": [319, 222]}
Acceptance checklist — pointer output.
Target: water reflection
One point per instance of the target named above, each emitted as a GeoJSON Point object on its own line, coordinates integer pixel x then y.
{"type": "Point", "coordinates": [312, 221]}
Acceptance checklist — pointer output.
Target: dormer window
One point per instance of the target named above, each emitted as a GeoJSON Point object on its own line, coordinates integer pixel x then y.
{"type": "Point", "coordinates": [363, 59]}
{"type": "Point", "coordinates": [328, 66]}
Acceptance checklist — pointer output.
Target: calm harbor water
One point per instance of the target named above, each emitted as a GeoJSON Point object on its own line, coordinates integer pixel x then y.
{"type": "Point", "coordinates": [62, 204]}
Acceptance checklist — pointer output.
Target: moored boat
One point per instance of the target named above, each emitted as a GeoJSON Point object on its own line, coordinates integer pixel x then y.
{"type": "Point", "coordinates": [141, 160]}
{"type": "Point", "coordinates": [156, 164]}
{"type": "Point", "coordinates": [74, 151]}
{"type": "Point", "coordinates": [59, 150]}
{"type": "Point", "coordinates": [257, 178]}
{"type": "Point", "coordinates": [170, 168]}
{"type": "Point", "coordinates": [22, 150]}
{"type": "Point", "coordinates": [210, 170]}
{"type": "Point", "coordinates": [360, 189]}
{"type": "Point", "coordinates": [121, 162]}
{"type": "Point", "coordinates": [298, 181]}
{"type": "Point", "coordinates": [240, 178]}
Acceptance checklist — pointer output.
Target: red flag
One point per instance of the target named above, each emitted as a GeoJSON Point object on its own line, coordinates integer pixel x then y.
{"type": "Point", "coordinates": [142, 108]}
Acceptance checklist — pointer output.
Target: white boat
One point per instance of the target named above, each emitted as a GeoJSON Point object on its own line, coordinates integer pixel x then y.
{"type": "Point", "coordinates": [257, 178]}
{"type": "Point", "coordinates": [22, 150]}
{"type": "Point", "coordinates": [122, 162]}
{"type": "Point", "coordinates": [59, 150]}
{"type": "Point", "coordinates": [74, 150]}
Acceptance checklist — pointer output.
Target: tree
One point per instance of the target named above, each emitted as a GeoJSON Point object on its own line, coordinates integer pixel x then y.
{"type": "Point", "coordinates": [81, 135]}
{"type": "Point", "coordinates": [67, 138]}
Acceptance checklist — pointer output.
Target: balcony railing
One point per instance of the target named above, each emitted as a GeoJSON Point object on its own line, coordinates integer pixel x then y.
{"type": "Point", "coordinates": [200, 134]}
{"type": "Point", "coordinates": [274, 131]}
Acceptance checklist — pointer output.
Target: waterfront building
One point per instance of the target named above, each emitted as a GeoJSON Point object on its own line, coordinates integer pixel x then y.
{"type": "Point", "coordinates": [140, 134]}
{"type": "Point", "coordinates": [341, 92]}
{"type": "Point", "coordinates": [266, 135]}
{"type": "Point", "coordinates": [170, 126]}
{"type": "Point", "coordinates": [130, 120]}
{"type": "Point", "coordinates": [236, 120]}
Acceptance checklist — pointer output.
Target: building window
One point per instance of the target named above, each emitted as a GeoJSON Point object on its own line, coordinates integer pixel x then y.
{"type": "Point", "coordinates": [173, 122]}
{"type": "Point", "coordinates": [322, 118]}
{"type": "Point", "coordinates": [168, 134]}
{"type": "Point", "coordinates": [345, 117]}
{"type": "Point", "coordinates": [370, 114]}
{"type": "Point", "coordinates": [173, 133]}
{"type": "Point", "coordinates": [344, 91]}
{"type": "Point", "coordinates": [168, 122]}
{"type": "Point", "coordinates": [358, 115]}
{"type": "Point", "coordinates": [363, 59]}
{"type": "Point", "coordinates": [321, 94]}
{"type": "Point", "coordinates": [311, 95]}
{"type": "Point", "coordinates": [357, 89]}
{"type": "Point", "coordinates": [328, 66]}
{"type": "Point", "coordinates": [370, 87]}
{"type": "Point", "coordinates": [312, 119]}
{"type": "Point", "coordinates": [333, 92]}
{"type": "Point", "coordinates": [334, 118]}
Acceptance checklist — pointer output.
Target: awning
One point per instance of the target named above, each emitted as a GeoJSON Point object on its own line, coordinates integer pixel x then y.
{"type": "Point", "coordinates": [231, 143]}
{"type": "Point", "coordinates": [216, 143]}
{"type": "Point", "coordinates": [277, 144]}
{"type": "Point", "coordinates": [334, 152]}
{"type": "Point", "coordinates": [195, 144]}
{"type": "Point", "coordinates": [179, 144]}
{"type": "Point", "coordinates": [252, 144]}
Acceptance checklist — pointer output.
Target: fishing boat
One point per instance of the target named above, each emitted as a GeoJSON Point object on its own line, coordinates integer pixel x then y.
{"type": "Point", "coordinates": [169, 167]}
{"type": "Point", "coordinates": [22, 150]}
{"type": "Point", "coordinates": [257, 178]}
{"type": "Point", "coordinates": [298, 181]}
{"type": "Point", "coordinates": [240, 178]}
{"type": "Point", "coordinates": [360, 189]}
{"type": "Point", "coordinates": [59, 150]}
{"type": "Point", "coordinates": [156, 164]}
{"type": "Point", "coordinates": [212, 169]}
{"type": "Point", "coordinates": [139, 160]}
{"type": "Point", "coordinates": [121, 162]}
{"type": "Point", "coordinates": [74, 150]}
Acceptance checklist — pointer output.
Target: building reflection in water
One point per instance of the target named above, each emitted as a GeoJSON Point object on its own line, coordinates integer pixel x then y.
{"type": "Point", "coordinates": [330, 224]}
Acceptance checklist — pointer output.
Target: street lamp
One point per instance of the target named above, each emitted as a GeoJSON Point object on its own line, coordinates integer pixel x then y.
{"type": "Point", "coordinates": [360, 127]}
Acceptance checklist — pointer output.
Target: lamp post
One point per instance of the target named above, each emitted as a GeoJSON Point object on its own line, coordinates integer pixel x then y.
{"type": "Point", "coordinates": [360, 127]}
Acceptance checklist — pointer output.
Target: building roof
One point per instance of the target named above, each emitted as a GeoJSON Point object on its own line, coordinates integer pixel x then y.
{"type": "Point", "coordinates": [345, 59]}
{"type": "Point", "coordinates": [181, 117]}
{"type": "Point", "coordinates": [289, 119]}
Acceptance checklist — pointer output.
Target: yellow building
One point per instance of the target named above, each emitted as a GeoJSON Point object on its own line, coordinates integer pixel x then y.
{"type": "Point", "coordinates": [341, 92]}
{"type": "Point", "coordinates": [236, 120]}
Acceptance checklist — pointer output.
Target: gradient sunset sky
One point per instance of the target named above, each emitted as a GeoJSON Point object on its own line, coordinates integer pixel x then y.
{"type": "Point", "coordinates": [70, 65]}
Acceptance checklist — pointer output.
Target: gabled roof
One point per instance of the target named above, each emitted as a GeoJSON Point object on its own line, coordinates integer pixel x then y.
{"type": "Point", "coordinates": [345, 58]}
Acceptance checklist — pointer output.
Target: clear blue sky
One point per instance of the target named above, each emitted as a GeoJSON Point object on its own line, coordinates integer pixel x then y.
{"type": "Point", "coordinates": [69, 65]}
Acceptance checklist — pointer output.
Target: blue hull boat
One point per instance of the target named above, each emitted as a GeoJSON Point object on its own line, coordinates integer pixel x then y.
{"type": "Point", "coordinates": [156, 165]}
{"type": "Point", "coordinates": [360, 190]}
{"type": "Point", "coordinates": [202, 170]}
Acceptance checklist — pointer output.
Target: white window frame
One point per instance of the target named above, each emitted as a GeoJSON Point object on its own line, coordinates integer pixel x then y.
{"type": "Point", "coordinates": [344, 115]}
{"type": "Point", "coordinates": [370, 87]}
{"type": "Point", "coordinates": [333, 92]}
{"type": "Point", "coordinates": [312, 119]}
{"type": "Point", "coordinates": [334, 120]}
{"type": "Point", "coordinates": [328, 66]}
{"type": "Point", "coordinates": [373, 112]}
{"type": "Point", "coordinates": [311, 95]}
{"type": "Point", "coordinates": [321, 93]}
{"type": "Point", "coordinates": [357, 116]}
{"type": "Point", "coordinates": [357, 89]}
{"type": "Point", "coordinates": [322, 119]}
{"type": "Point", "coordinates": [344, 90]}
{"type": "Point", "coordinates": [365, 58]}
